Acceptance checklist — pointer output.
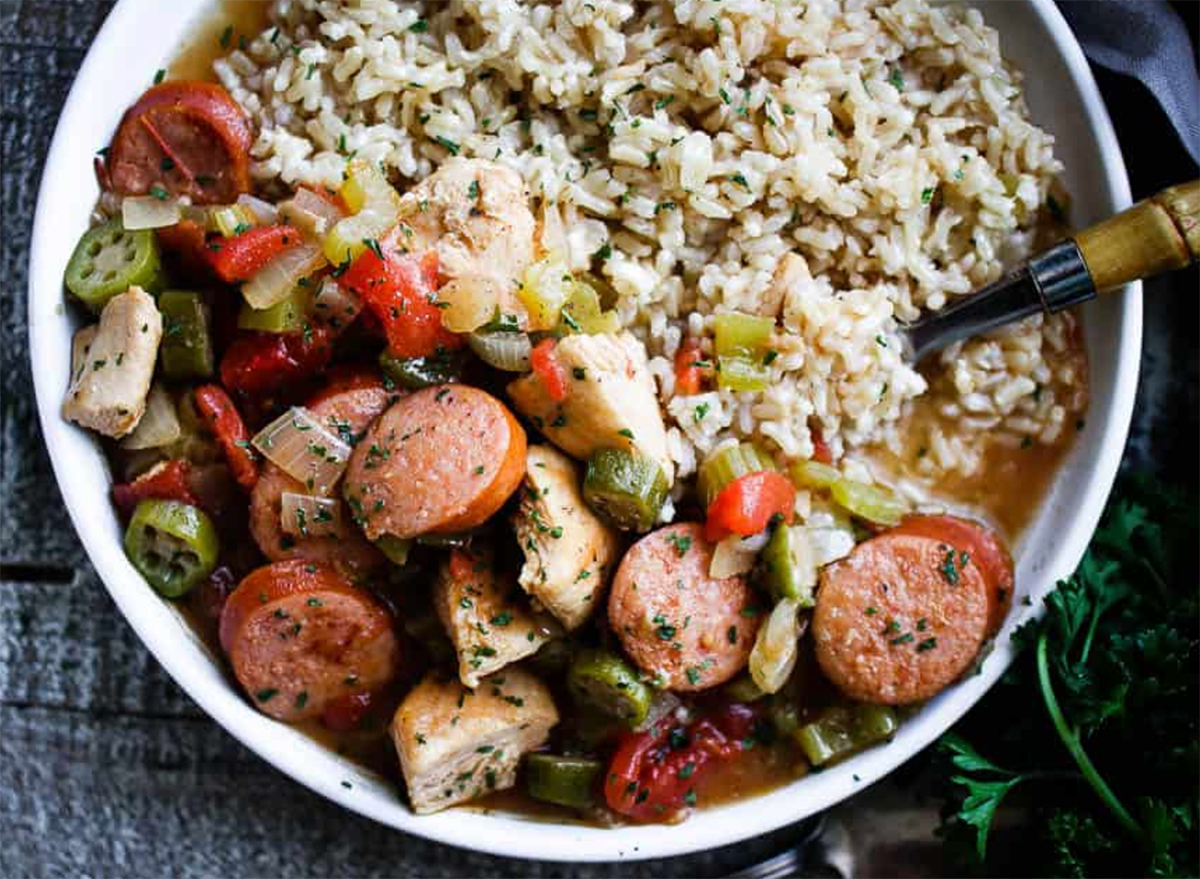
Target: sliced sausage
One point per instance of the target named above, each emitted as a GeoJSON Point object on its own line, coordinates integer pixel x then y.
{"type": "Point", "coordinates": [346, 407]}
{"type": "Point", "coordinates": [983, 545]}
{"type": "Point", "coordinates": [190, 138]}
{"type": "Point", "coordinates": [900, 618]}
{"type": "Point", "coordinates": [688, 629]}
{"type": "Point", "coordinates": [441, 460]}
{"type": "Point", "coordinates": [299, 636]}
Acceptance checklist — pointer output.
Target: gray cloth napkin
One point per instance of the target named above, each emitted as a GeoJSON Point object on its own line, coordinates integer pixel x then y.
{"type": "Point", "coordinates": [1145, 39]}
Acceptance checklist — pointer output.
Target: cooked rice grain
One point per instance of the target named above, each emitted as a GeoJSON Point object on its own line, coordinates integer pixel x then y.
{"type": "Point", "coordinates": [690, 147]}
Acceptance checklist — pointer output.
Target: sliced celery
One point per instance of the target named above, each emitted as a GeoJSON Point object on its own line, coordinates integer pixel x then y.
{"type": "Point", "coordinates": [870, 502]}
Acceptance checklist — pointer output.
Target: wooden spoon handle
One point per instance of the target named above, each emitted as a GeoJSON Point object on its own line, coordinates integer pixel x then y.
{"type": "Point", "coordinates": [1155, 235]}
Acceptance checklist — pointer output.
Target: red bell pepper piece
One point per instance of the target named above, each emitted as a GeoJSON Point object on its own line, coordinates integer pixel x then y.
{"type": "Point", "coordinates": [653, 774]}
{"type": "Point", "coordinates": [166, 481]}
{"type": "Point", "coordinates": [256, 364]}
{"type": "Point", "coordinates": [547, 368]}
{"type": "Point", "coordinates": [347, 712]}
{"type": "Point", "coordinates": [821, 450]}
{"type": "Point", "coordinates": [747, 505]}
{"type": "Point", "coordinates": [222, 417]}
{"type": "Point", "coordinates": [400, 290]}
{"type": "Point", "coordinates": [238, 258]}
{"type": "Point", "coordinates": [689, 375]}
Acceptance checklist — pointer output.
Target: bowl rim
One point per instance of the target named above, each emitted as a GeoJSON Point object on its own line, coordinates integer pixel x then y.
{"type": "Point", "coordinates": [497, 833]}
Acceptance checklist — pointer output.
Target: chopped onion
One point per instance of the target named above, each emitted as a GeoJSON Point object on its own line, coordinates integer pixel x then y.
{"type": "Point", "coordinates": [298, 444]}
{"type": "Point", "coordinates": [730, 558]}
{"type": "Point", "coordinates": [552, 236]}
{"type": "Point", "coordinates": [468, 303]}
{"type": "Point", "coordinates": [507, 351]}
{"type": "Point", "coordinates": [230, 220]}
{"type": "Point", "coordinates": [149, 212]}
{"type": "Point", "coordinates": [663, 703]}
{"type": "Point", "coordinates": [310, 213]}
{"type": "Point", "coordinates": [159, 425]}
{"type": "Point", "coordinates": [830, 533]}
{"type": "Point", "coordinates": [775, 648]}
{"type": "Point", "coordinates": [303, 515]}
{"type": "Point", "coordinates": [264, 212]}
{"type": "Point", "coordinates": [335, 304]}
{"type": "Point", "coordinates": [275, 281]}
{"type": "Point", "coordinates": [544, 290]}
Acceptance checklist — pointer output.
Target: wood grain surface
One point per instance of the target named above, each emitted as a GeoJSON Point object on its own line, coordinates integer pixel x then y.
{"type": "Point", "coordinates": [107, 768]}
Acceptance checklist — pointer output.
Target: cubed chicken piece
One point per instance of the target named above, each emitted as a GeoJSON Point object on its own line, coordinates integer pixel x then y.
{"type": "Point", "coordinates": [109, 388]}
{"type": "Point", "coordinates": [790, 271]}
{"type": "Point", "coordinates": [611, 401]}
{"type": "Point", "coordinates": [456, 744]}
{"type": "Point", "coordinates": [486, 617]}
{"type": "Point", "coordinates": [476, 214]}
{"type": "Point", "coordinates": [569, 551]}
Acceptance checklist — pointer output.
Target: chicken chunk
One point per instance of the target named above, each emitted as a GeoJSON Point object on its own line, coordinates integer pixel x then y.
{"type": "Point", "coordinates": [456, 744]}
{"type": "Point", "coordinates": [610, 402]}
{"type": "Point", "coordinates": [569, 551]}
{"type": "Point", "coordinates": [476, 214]}
{"type": "Point", "coordinates": [791, 270]}
{"type": "Point", "coordinates": [485, 617]}
{"type": "Point", "coordinates": [109, 388]}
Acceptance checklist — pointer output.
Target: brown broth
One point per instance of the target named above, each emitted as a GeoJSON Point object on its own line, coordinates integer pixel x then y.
{"type": "Point", "coordinates": [246, 18]}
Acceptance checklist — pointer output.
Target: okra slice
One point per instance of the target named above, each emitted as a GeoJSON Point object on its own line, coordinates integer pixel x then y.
{"type": "Point", "coordinates": [625, 488]}
{"type": "Point", "coordinates": [186, 350]}
{"type": "Point", "coordinates": [842, 730]}
{"type": "Point", "coordinates": [605, 681]}
{"type": "Point", "coordinates": [564, 781]}
{"type": "Point", "coordinates": [172, 544]}
{"type": "Point", "coordinates": [109, 260]}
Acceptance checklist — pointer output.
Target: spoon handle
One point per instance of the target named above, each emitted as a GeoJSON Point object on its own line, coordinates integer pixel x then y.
{"type": "Point", "coordinates": [1155, 235]}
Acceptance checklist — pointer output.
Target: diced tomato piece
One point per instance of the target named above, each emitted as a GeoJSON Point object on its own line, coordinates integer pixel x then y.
{"type": "Point", "coordinates": [462, 565]}
{"type": "Point", "coordinates": [166, 481]}
{"type": "Point", "coordinates": [653, 774]}
{"type": "Point", "coordinates": [747, 505]}
{"type": "Point", "coordinates": [547, 368]}
{"type": "Point", "coordinates": [238, 258]}
{"type": "Point", "coordinates": [689, 375]}
{"type": "Point", "coordinates": [821, 452]}
{"type": "Point", "coordinates": [400, 290]}
{"type": "Point", "coordinates": [226, 424]}
{"type": "Point", "coordinates": [333, 198]}
{"type": "Point", "coordinates": [346, 713]}
{"type": "Point", "coordinates": [260, 363]}
{"type": "Point", "coordinates": [185, 241]}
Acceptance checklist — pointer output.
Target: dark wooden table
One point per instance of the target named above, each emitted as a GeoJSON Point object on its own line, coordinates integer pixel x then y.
{"type": "Point", "coordinates": [108, 768]}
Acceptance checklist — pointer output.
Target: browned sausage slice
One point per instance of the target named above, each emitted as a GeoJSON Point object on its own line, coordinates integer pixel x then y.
{"type": "Point", "coordinates": [189, 138]}
{"type": "Point", "coordinates": [983, 545]}
{"type": "Point", "coordinates": [345, 409]}
{"type": "Point", "coordinates": [675, 621]}
{"type": "Point", "coordinates": [900, 618]}
{"type": "Point", "coordinates": [299, 636]}
{"type": "Point", "coordinates": [440, 460]}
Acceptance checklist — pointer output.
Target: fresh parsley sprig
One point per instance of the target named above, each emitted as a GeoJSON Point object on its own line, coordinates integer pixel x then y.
{"type": "Point", "coordinates": [1100, 710]}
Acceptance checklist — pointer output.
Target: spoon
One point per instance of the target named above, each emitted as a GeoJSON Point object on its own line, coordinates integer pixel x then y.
{"type": "Point", "coordinates": [1156, 235]}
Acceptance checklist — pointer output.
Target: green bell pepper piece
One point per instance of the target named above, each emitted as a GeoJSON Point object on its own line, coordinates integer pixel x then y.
{"type": "Point", "coordinates": [285, 316]}
{"type": "Point", "coordinates": [173, 545]}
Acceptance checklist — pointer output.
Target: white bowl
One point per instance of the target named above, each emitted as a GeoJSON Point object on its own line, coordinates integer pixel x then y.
{"type": "Point", "coordinates": [1063, 98]}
